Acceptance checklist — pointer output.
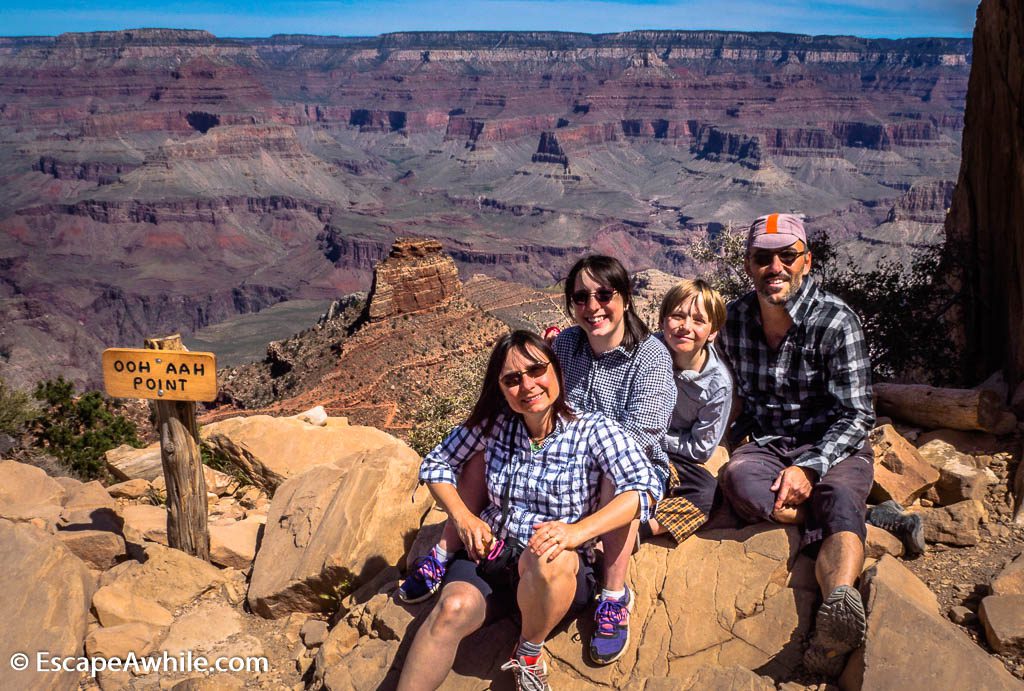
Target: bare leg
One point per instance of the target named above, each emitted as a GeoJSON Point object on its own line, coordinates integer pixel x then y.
{"type": "Point", "coordinates": [656, 528]}
{"type": "Point", "coordinates": [473, 491]}
{"type": "Point", "coordinates": [839, 562]}
{"type": "Point", "coordinates": [618, 545]}
{"type": "Point", "coordinates": [546, 589]}
{"type": "Point", "coordinates": [459, 612]}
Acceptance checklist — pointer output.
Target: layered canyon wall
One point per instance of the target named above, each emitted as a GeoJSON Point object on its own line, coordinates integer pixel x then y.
{"type": "Point", "coordinates": [160, 180]}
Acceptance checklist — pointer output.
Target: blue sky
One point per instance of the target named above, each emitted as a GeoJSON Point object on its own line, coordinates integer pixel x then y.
{"type": "Point", "coordinates": [875, 18]}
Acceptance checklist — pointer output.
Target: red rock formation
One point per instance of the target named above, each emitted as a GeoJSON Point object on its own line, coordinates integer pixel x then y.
{"type": "Point", "coordinates": [416, 276]}
{"type": "Point", "coordinates": [416, 329]}
{"type": "Point", "coordinates": [986, 221]}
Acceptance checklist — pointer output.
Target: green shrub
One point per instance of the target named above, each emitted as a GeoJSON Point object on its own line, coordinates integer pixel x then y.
{"type": "Point", "coordinates": [17, 410]}
{"type": "Point", "coordinates": [440, 412]}
{"type": "Point", "coordinates": [78, 431]}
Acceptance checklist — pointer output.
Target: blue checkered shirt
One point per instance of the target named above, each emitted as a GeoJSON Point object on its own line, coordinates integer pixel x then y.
{"type": "Point", "coordinates": [633, 388]}
{"type": "Point", "coordinates": [560, 482]}
{"type": "Point", "coordinates": [816, 389]}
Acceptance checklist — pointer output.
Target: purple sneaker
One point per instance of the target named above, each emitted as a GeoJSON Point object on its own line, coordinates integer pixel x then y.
{"type": "Point", "coordinates": [424, 580]}
{"type": "Point", "coordinates": [611, 637]}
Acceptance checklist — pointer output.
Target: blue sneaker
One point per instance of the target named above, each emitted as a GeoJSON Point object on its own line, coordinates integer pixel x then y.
{"type": "Point", "coordinates": [424, 580]}
{"type": "Point", "coordinates": [611, 637]}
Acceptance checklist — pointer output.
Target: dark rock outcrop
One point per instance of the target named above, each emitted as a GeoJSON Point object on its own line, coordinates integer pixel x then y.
{"type": "Point", "coordinates": [986, 221]}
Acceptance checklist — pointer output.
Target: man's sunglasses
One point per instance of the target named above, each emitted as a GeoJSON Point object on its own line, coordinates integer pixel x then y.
{"type": "Point", "coordinates": [766, 257]}
{"type": "Point", "coordinates": [514, 379]}
{"type": "Point", "coordinates": [602, 295]}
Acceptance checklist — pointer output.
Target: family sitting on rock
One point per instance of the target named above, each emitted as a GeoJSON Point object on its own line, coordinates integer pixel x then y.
{"type": "Point", "coordinates": [602, 436]}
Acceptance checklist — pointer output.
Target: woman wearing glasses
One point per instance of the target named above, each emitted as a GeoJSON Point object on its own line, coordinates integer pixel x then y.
{"type": "Point", "coordinates": [615, 367]}
{"type": "Point", "coordinates": [543, 468]}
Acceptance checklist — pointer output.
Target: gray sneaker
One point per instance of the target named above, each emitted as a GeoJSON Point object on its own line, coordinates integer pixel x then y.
{"type": "Point", "coordinates": [892, 517]}
{"type": "Point", "coordinates": [839, 629]}
{"type": "Point", "coordinates": [528, 677]}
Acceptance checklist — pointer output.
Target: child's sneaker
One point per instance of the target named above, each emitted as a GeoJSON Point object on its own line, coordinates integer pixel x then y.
{"type": "Point", "coordinates": [424, 580]}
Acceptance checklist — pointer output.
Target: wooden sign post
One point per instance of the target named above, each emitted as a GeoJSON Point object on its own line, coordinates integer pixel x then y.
{"type": "Point", "coordinates": [174, 379]}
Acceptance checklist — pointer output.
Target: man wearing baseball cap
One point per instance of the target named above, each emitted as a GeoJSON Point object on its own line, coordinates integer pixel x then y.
{"type": "Point", "coordinates": [802, 372]}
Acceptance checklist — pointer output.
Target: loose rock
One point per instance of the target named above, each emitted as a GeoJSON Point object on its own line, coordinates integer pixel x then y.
{"type": "Point", "coordinates": [900, 471]}
{"type": "Point", "coordinates": [1003, 619]}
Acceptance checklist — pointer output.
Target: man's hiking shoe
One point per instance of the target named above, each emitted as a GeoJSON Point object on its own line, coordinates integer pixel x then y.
{"type": "Point", "coordinates": [838, 630]}
{"type": "Point", "coordinates": [424, 580]}
{"type": "Point", "coordinates": [908, 527]}
{"type": "Point", "coordinates": [529, 677]}
{"type": "Point", "coordinates": [611, 636]}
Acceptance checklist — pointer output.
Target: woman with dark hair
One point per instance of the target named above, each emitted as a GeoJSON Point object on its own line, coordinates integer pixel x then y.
{"type": "Point", "coordinates": [543, 468]}
{"type": "Point", "coordinates": [615, 367]}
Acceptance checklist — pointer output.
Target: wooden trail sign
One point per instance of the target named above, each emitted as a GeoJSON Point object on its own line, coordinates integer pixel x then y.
{"type": "Point", "coordinates": [176, 379]}
{"type": "Point", "coordinates": [162, 375]}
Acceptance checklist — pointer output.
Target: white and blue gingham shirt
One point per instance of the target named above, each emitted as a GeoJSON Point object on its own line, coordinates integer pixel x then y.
{"type": "Point", "coordinates": [633, 388]}
{"type": "Point", "coordinates": [815, 389]}
{"type": "Point", "coordinates": [559, 482]}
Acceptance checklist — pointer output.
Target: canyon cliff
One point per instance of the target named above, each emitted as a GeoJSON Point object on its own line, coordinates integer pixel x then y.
{"type": "Point", "coordinates": [162, 180]}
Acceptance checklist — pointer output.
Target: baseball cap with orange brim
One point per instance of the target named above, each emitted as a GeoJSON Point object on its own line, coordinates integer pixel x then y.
{"type": "Point", "coordinates": [776, 231]}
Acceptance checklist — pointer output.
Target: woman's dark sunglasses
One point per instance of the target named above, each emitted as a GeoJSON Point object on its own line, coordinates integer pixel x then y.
{"type": "Point", "coordinates": [514, 379]}
{"type": "Point", "coordinates": [602, 295]}
{"type": "Point", "coordinates": [765, 257]}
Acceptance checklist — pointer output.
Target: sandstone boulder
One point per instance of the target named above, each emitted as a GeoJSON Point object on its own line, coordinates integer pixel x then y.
{"type": "Point", "coordinates": [1003, 619]}
{"type": "Point", "coordinates": [723, 598]}
{"type": "Point", "coordinates": [116, 605]}
{"type": "Point", "coordinates": [269, 450]}
{"type": "Point", "coordinates": [211, 682]}
{"type": "Point", "coordinates": [119, 641]}
{"type": "Point", "coordinates": [909, 645]}
{"type": "Point", "coordinates": [959, 482]}
{"type": "Point", "coordinates": [169, 577]}
{"type": "Point", "coordinates": [130, 489]}
{"type": "Point", "coordinates": [27, 492]}
{"type": "Point", "coordinates": [337, 525]}
{"type": "Point", "coordinates": [313, 632]}
{"type": "Point", "coordinates": [100, 549]}
{"type": "Point", "coordinates": [44, 607]}
{"type": "Point", "coordinates": [203, 629]}
{"type": "Point", "coordinates": [128, 463]}
{"type": "Point", "coordinates": [956, 524]}
{"type": "Point", "coordinates": [218, 483]}
{"type": "Point", "coordinates": [1010, 580]}
{"type": "Point", "coordinates": [900, 471]}
{"type": "Point", "coordinates": [712, 677]}
{"type": "Point", "coordinates": [90, 507]}
{"type": "Point", "coordinates": [145, 521]}
{"type": "Point", "coordinates": [881, 542]}
{"type": "Point", "coordinates": [939, 453]}
{"type": "Point", "coordinates": [234, 544]}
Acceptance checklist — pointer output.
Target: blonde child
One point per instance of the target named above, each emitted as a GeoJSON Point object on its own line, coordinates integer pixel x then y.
{"type": "Point", "coordinates": [691, 315]}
